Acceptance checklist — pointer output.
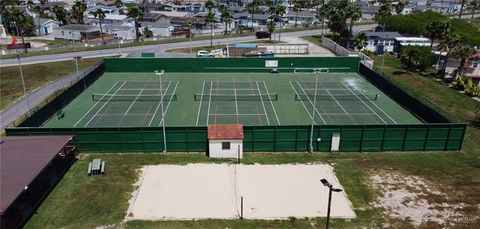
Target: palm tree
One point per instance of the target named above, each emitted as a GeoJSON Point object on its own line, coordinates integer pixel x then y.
{"type": "Point", "coordinates": [449, 41]}
{"type": "Point", "coordinates": [78, 10]}
{"type": "Point", "coordinates": [297, 7]}
{"type": "Point", "coordinates": [354, 13]}
{"type": "Point", "coordinates": [38, 11]}
{"type": "Point", "coordinates": [253, 8]}
{"type": "Point", "coordinates": [119, 5]}
{"type": "Point", "coordinates": [277, 10]}
{"type": "Point", "coordinates": [225, 16]}
{"type": "Point", "coordinates": [384, 11]}
{"type": "Point", "coordinates": [360, 41]}
{"type": "Point", "coordinates": [100, 15]}
{"type": "Point", "coordinates": [462, 53]}
{"type": "Point", "coordinates": [61, 14]}
{"type": "Point", "coordinates": [210, 18]}
{"type": "Point", "coordinates": [474, 4]}
{"type": "Point", "coordinates": [434, 30]}
{"type": "Point", "coordinates": [136, 14]}
{"type": "Point", "coordinates": [461, 9]}
{"type": "Point", "coordinates": [400, 6]}
{"type": "Point", "coordinates": [271, 27]}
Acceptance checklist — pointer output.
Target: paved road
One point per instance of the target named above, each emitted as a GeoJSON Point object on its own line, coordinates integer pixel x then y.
{"type": "Point", "coordinates": [19, 108]}
{"type": "Point", "coordinates": [159, 49]}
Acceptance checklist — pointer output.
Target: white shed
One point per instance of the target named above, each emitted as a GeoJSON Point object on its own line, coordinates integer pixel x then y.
{"type": "Point", "coordinates": [225, 141]}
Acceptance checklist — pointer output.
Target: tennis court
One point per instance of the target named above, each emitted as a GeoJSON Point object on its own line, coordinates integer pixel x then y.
{"type": "Point", "coordinates": [252, 99]}
{"type": "Point", "coordinates": [245, 102]}
{"type": "Point", "coordinates": [130, 103]}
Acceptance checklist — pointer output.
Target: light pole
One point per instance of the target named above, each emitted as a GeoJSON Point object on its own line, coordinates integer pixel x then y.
{"type": "Point", "coordinates": [23, 82]}
{"type": "Point", "coordinates": [330, 190]}
{"type": "Point", "coordinates": [160, 74]}
{"type": "Point", "coordinates": [76, 63]}
{"type": "Point", "coordinates": [313, 111]}
{"type": "Point", "coordinates": [384, 48]}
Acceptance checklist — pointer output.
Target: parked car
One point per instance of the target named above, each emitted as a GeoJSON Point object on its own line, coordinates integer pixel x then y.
{"type": "Point", "coordinates": [203, 53]}
{"type": "Point", "coordinates": [262, 34]}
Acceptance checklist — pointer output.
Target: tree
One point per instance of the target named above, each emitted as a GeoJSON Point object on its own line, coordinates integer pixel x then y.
{"type": "Point", "coordinates": [225, 16]}
{"type": "Point", "coordinates": [434, 31]}
{"type": "Point", "coordinates": [38, 11]}
{"type": "Point", "coordinates": [416, 57]}
{"type": "Point", "coordinates": [271, 27]}
{"type": "Point", "coordinates": [462, 4]}
{"type": "Point", "coordinates": [119, 5]}
{"type": "Point", "coordinates": [449, 41]}
{"type": "Point", "coordinates": [384, 12]}
{"type": "Point", "coordinates": [360, 41]}
{"type": "Point", "coordinates": [400, 6]}
{"type": "Point", "coordinates": [19, 22]}
{"type": "Point", "coordinates": [253, 8]}
{"type": "Point", "coordinates": [462, 53]}
{"type": "Point", "coordinates": [297, 7]}
{"type": "Point", "coordinates": [98, 13]}
{"type": "Point", "coordinates": [78, 10]}
{"type": "Point", "coordinates": [354, 13]}
{"type": "Point", "coordinates": [278, 11]}
{"type": "Point", "coordinates": [210, 18]}
{"type": "Point", "coordinates": [147, 32]}
{"type": "Point", "coordinates": [136, 14]}
{"type": "Point", "coordinates": [475, 5]}
{"type": "Point", "coordinates": [336, 15]}
{"type": "Point", "coordinates": [61, 14]}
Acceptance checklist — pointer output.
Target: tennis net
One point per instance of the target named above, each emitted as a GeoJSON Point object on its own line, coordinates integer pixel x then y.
{"type": "Point", "coordinates": [230, 97]}
{"type": "Point", "coordinates": [154, 97]}
{"type": "Point", "coordinates": [340, 97]}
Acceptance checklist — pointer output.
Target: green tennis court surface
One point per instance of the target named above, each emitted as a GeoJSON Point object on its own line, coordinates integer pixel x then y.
{"type": "Point", "coordinates": [199, 99]}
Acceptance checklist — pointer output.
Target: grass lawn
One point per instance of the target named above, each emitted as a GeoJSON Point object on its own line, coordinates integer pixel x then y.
{"type": "Point", "coordinates": [80, 201]}
{"type": "Point", "coordinates": [36, 75]}
{"type": "Point", "coordinates": [315, 39]}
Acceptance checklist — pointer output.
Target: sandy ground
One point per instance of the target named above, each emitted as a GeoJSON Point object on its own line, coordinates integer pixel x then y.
{"type": "Point", "coordinates": [414, 199]}
{"type": "Point", "coordinates": [200, 191]}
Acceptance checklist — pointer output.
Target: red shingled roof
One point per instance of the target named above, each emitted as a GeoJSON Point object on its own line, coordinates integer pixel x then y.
{"type": "Point", "coordinates": [225, 131]}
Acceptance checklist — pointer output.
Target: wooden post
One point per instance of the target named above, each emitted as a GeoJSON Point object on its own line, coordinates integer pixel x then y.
{"type": "Point", "coordinates": [241, 207]}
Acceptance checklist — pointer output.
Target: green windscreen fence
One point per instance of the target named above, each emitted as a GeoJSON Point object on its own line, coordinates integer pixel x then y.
{"type": "Point", "coordinates": [283, 64]}
{"type": "Point", "coordinates": [353, 138]}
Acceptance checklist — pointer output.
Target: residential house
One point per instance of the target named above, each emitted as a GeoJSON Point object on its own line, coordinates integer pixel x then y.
{"type": "Point", "coordinates": [158, 23]}
{"type": "Point", "coordinates": [44, 26]}
{"type": "Point", "coordinates": [246, 20]}
{"type": "Point", "coordinates": [303, 17]}
{"type": "Point", "coordinates": [3, 33]}
{"type": "Point", "coordinates": [119, 32]}
{"type": "Point", "coordinates": [110, 19]}
{"type": "Point", "coordinates": [471, 70]}
{"type": "Point", "coordinates": [76, 32]}
{"type": "Point", "coordinates": [106, 9]}
{"type": "Point", "coordinates": [374, 39]}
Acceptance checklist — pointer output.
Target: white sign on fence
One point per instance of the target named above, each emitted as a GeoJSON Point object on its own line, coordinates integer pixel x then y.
{"type": "Point", "coordinates": [271, 63]}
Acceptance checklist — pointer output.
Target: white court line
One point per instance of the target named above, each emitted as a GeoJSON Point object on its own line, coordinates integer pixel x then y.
{"type": "Point", "coordinates": [236, 102]}
{"type": "Point", "coordinates": [369, 106]}
{"type": "Point", "coordinates": [160, 103]}
{"type": "Point", "coordinates": [131, 105]}
{"type": "Point", "coordinates": [209, 101]}
{"type": "Point", "coordinates": [95, 104]}
{"type": "Point", "coordinates": [271, 102]}
{"type": "Point", "coordinates": [302, 102]}
{"type": "Point", "coordinates": [231, 89]}
{"type": "Point", "coordinates": [337, 102]}
{"type": "Point", "coordinates": [200, 106]}
{"type": "Point", "coordinates": [168, 105]}
{"type": "Point", "coordinates": [104, 105]}
{"type": "Point", "coordinates": [323, 120]}
{"type": "Point", "coordinates": [263, 104]}
{"type": "Point", "coordinates": [222, 114]}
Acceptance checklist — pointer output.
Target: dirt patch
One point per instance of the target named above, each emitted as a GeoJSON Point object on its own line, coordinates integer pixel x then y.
{"type": "Point", "coordinates": [414, 199]}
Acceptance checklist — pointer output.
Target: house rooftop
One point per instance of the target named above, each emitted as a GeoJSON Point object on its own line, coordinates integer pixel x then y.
{"type": "Point", "coordinates": [383, 34]}
{"type": "Point", "coordinates": [225, 131]}
{"type": "Point", "coordinates": [23, 159]}
{"type": "Point", "coordinates": [78, 27]}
